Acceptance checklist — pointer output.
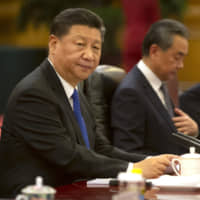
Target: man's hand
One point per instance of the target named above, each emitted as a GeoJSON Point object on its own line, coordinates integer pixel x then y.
{"type": "Point", "coordinates": [155, 166]}
{"type": "Point", "coordinates": [184, 123]}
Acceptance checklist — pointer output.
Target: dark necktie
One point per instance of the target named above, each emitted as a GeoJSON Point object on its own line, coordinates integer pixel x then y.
{"type": "Point", "coordinates": [79, 117]}
{"type": "Point", "coordinates": [167, 99]}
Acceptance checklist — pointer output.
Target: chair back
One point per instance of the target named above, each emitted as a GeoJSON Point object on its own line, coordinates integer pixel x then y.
{"type": "Point", "coordinates": [99, 89]}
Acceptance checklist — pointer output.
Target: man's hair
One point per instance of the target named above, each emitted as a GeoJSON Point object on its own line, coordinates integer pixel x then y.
{"type": "Point", "coordinates": [76, 16]}
{"type": "Point", "coordinates": [162, 34]}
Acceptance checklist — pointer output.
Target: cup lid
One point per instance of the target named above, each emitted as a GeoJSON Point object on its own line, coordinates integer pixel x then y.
{"type": "Point", "coordinates": [192, 154]}
{"type": "Point", "coordinates": [129, 177]}
{"type": "Point", "coordinates": [38, 188]}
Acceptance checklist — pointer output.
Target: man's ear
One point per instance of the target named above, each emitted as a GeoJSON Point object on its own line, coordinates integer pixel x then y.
{"type": "Point", "coordinates": [154, 51]}
{"type": "Point", "coordinates": [53, 41]}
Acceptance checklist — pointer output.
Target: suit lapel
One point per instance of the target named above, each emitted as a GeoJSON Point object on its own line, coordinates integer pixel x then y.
{"type": "Point", "coordinates": [57, 87]}
{"type": "Point", "coordinates": [153, 97]}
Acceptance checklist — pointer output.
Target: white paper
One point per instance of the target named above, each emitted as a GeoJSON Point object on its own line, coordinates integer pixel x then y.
{"type": "Point", "coordinates": [176, 181]}
{"type": "Point", "coordinates": [98, 182]}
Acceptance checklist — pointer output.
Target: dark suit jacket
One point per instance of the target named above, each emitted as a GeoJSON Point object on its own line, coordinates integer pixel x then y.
{"type": "Point", "coordinates": [190, 103]}
{"type": "Point", "coordinates": [140, 122]}
{"type": "Point", "coordinates": [40, 136]}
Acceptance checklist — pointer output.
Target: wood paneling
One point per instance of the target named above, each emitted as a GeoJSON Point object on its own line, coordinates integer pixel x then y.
{"type": "Point", "coordinates": [191, 71]}
{"type": "Point", "coordinates": [9, 35]}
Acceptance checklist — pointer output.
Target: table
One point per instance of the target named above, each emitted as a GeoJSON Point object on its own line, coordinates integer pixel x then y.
{"type": "Point", "coordinates": [80, 191]}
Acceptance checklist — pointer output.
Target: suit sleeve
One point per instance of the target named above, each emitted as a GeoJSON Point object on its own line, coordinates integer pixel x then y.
{"type": "Point", "coordinates": [104, 147]}
{"type": "Point", "coordinates": [190, 103]}
{"type": "Point", "coordinates": [100, 112]}
{"type": "Point", "coordinates": [36, 120]}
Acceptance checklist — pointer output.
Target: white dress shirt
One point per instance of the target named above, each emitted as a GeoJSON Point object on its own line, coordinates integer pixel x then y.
{"type": "Point", "coordinates": [153, 80]}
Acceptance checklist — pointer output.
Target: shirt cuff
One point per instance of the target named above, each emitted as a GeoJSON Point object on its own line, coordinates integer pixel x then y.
{"type": "Point", "coordinates": [130, 167]}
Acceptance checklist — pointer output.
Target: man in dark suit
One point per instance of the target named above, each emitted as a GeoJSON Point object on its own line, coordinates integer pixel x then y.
{"type": "Point", "coordinates": [143, 117]}
{"type": "Point", "coordinates": [46, 132]}
{"type": "Point", "coordinates": [190, 102]}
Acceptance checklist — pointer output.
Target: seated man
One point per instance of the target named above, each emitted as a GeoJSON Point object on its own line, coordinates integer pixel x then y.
{"type": "Point", "coordinates": [143, 117]}
{"type": "Point", "coordinates": [48, 127]}
{"type": "Point", "coordinates": [190, 102]}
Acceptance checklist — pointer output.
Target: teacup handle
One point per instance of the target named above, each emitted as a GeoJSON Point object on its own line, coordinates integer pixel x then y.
{"type": "Point", "coordinates": [21, 197]}
{"type": "Point", "coordinates": [174, 164]}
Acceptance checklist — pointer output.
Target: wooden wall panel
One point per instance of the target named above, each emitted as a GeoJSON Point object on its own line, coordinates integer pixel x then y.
{"type": "Point", "coordinates": [191, 71]}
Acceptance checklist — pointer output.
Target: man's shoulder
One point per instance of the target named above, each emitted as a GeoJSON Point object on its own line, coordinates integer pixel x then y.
{"type": "Point", "coordinates": [30, 80]}
{"type": "Point", "coordinates": [37, 77]}
{"type": "Point", "coordinates": [193, 91]}
{"type": "Point", "coordinates": [34, 82]}
{"type": "Point", "coordinates": [132, 80]}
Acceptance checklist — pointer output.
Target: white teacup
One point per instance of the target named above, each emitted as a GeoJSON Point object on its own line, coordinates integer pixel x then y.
{"type": "Point", "coordinates": [187, 164]}
{"type": "Point", "coordinates": [37, 192]}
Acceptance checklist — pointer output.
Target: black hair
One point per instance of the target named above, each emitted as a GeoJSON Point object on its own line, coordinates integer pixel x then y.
{"type": "Point", "coordinates": [162, 33]}
{"type": "Point", "coordinates": [76, 16]}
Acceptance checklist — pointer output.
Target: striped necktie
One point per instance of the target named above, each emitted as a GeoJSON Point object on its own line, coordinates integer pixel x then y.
{"type": "Point", "coordinates": [167, 99]}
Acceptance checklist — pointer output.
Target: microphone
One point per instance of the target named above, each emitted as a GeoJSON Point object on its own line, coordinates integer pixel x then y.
{"type": "Point", "coordinates": [187, 141]}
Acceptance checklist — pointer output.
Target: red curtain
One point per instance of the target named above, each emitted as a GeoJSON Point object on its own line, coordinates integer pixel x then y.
{"type": "Point", "coordinates": [139, 15]}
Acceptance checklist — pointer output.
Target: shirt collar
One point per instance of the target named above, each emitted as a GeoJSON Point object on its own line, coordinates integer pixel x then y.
{"type": "Point", "coordinates": [154, 81]}
{"type": "Point", "coordinates": [69, 89]}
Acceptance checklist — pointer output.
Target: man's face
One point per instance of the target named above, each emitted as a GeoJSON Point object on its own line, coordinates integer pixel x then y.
{"type": "Point", "coordinates": [76, 54]}
{"type": "Point", "coordinates": [168, 62]}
